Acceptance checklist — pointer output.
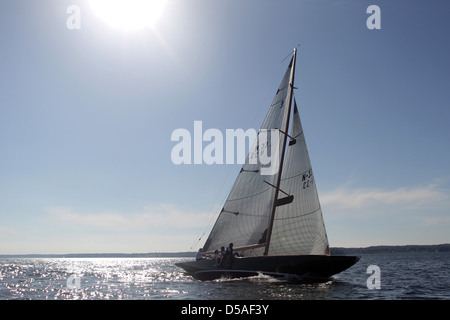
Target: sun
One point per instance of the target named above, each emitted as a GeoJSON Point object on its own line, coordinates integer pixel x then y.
{"type": "Point", "coordinates": [129, 14]}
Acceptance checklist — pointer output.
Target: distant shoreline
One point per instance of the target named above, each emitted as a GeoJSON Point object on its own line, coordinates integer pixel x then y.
{"type": "Point", "coordinates": [334, 251]}
{"type": "Point", "coordinates": [445, 247]}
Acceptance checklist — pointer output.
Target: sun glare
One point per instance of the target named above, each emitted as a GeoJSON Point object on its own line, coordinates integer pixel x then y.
{"type": "Point", "coordinates": [129, 14]}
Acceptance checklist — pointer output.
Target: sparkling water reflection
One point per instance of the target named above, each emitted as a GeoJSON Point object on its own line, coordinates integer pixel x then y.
{"type": "Point", "coordinates": [407, 276]}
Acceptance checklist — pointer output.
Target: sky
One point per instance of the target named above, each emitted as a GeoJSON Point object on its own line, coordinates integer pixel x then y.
{"type": "Point", "coordinates": [88, 108]}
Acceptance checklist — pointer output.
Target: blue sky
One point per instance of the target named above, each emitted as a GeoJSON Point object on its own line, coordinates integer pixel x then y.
{"type": "Point", "coordinates": [86, 118]}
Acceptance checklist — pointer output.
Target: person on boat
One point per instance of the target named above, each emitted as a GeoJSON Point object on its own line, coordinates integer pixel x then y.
{"type": "Point", "coordinates": [217, 257]}
{"type": "Point", "coordinates": [230, 249]}
{"type": "Point", "coordinates": [228, 257]}
{"type": "Point", "coordinates": [221, 256]}
{"type": "Point", "coordinates": [199, 255]}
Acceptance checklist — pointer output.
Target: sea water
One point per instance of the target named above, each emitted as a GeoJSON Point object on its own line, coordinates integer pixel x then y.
{"type": "Point", "coordinates": [397, 276]}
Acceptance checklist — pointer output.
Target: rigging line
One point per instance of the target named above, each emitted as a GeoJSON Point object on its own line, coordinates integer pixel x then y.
{"type": "Point", "coordinates": [213, 213]}
{"type": "Point", "coordinates": [290, 54]}
{"type": "Point", "coordinates": [279, 189]}
{"type": "Point", "coordinates": [295, 137]}
{"type": "Point", "coordinates": [286, 57]}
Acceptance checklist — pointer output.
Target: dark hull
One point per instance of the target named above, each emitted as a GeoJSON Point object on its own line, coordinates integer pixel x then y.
{"type": "Point", "coordinates": [308, 268]}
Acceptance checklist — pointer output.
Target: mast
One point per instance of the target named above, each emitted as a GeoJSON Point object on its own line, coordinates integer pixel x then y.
{"type": "Point", "coordinates": [284, 131]}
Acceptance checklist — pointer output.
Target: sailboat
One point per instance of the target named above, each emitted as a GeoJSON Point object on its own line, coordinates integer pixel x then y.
{"type": "Point", "coordinates": [274, 221]}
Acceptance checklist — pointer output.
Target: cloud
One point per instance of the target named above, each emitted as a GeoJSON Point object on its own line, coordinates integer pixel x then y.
{"type": "Point", "coordinates": [435, 221]}
{"type": "Point", "coordinates": [407, 215]}
{"type": "Point", "coordinates": [430, 203]}
{"type": "Point", "coordinates": [163, 215]}
{"type": "Point", "coordinates": [6, 231]}
{"type": "Point", "coordinates": [361, 198]}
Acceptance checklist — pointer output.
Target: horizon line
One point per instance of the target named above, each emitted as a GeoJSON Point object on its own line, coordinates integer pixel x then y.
{"type": "Point", "coordinates": [186, 252]}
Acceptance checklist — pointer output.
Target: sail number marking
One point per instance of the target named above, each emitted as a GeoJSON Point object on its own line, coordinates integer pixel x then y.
{"type": "Point", "coordinates": [307, 179]}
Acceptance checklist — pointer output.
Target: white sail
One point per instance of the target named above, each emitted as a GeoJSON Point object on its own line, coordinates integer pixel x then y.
{"type": "Point", "coordinates": [274, 219]}
{"type": "Point", "coordinates": [290, 225]}
{"type": "Point", "coordinates": [298, 226]}
{"type": "Point", "coordinates": [245, 216]}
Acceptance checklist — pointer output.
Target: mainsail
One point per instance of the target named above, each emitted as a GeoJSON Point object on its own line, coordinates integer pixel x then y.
{"type": "Point", "coordinates": [280, 213]}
